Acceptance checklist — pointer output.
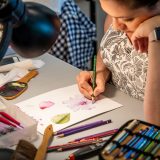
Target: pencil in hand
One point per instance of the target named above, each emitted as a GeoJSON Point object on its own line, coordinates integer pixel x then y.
{"type": "Point", "coordinates": [94, 77]}
{"type": "Point", "coordinates": [93, 98]}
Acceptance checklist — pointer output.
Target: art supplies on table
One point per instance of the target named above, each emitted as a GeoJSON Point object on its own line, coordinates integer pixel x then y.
{"type": "Point", "coordinates": [74, 145]}
{"type": "Point", "coordinates": [98, 135]}
{"type": "Point", "coordinates": [136, 140]}
{"type": "Point", "coordinates": [24, 150]}
{"type": "Point", "coordinates": [9, 120]}
{"type": "Point", "coordinates": [95, 139]}
{"type": "Point", "coordinates": [86, 152]}
{"type": "Point", "coordinates": [15, 125]}
{"type": "Point", "coordinates": [64, 107]}
{"type": "Point", "coordinates": [87, 147]}
{"type": "Point", "coordinates": [13, 89]}
{"type": "Point", "coordinates": [73, 130]}
{"type": "Point", "coordinates": [47, 137]}
{"type": "Point", "coordinates": [27, 151]}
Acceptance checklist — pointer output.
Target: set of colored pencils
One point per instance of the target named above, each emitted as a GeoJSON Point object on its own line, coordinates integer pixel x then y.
{"type": "Point", "coordinates": [70, 131]}
{"type": "Point", "coordinates": [83, 141]}
{"type": "Point", "coordinates": [141, 144]}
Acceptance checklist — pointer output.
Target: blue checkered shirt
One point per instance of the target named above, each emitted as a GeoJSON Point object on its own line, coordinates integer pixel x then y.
{"type": "Point", "coordinates": [77, 35]}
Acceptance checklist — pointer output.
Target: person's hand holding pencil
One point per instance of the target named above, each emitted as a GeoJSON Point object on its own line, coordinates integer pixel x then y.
{"type": "Point", "coordinates": [92, 83]}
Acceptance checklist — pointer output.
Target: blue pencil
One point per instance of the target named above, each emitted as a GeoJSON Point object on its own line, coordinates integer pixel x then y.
{"type": "Point", "coordinates": [139, 144]}
{"type": "Point", "coordinates": [145, 143]}
{"type": "Point", "coordinates": [149, 144]}
{"type": "Point", "coordinates": [121, 137]}
{"type": "Point", "coordinates": [131, 152]}
{"type": "Point", "coordinates": [130, 143]}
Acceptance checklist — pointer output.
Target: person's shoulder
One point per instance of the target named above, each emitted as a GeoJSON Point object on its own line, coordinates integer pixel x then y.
{"type": "Point", "coordinates": [111, 32]}
{"type": "Point", "coordinates": [112, 36]}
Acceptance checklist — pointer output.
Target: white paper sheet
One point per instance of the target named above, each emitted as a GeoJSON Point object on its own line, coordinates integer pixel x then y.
{"type": "Point", "coordinates": [67, 101]}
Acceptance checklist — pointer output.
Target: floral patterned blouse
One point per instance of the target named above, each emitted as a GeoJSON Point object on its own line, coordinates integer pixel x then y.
{"type": "Point", "coordinates": [128, 67]}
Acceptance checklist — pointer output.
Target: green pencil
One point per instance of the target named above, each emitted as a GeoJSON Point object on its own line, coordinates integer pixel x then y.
{"type": "Point", "coordinates": [94, 76]}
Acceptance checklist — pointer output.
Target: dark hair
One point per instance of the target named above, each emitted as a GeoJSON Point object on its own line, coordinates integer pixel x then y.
{"type": "Point", "coordinates": [134, 4]}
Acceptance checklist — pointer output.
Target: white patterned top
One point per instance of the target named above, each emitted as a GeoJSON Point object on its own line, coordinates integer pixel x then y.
{"type": "Point", "coordinates": [128, 67]}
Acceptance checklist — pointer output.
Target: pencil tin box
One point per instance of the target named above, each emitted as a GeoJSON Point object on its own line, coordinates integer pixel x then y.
{"type": "Point", "coordinates": [9, 135]}
{"type": "Point", "coordinates": [136, 139]}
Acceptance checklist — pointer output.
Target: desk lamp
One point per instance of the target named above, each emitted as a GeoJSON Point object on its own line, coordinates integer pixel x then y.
{"type": "Point", "coordinates": [30, 28]}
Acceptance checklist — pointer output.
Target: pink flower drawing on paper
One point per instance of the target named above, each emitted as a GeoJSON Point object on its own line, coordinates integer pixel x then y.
{"type": "Point", "coordinates": [45, 104]}
{"type": "Point", "coordinates": [78, 102]}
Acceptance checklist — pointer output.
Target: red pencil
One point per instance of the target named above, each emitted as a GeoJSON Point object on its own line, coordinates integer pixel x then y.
{"type": "Point", "coordinates": [75, 145]}
{"type": "Point", "coordinates": [10, 118]}
{"type": "Point", "coordinates": [98, 135]}
{"type": "Point", "coordinates": [7, 119]}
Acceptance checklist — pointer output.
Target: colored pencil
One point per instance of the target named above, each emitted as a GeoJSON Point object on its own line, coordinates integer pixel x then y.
{"type": "Point", "coordinates": [83, 128]}
{"type": "Point", "coordinates": [131, 142]}
{"type": "Point", "coordinates": [146, 142]}
{"type": "Point", "coordinates": [69, 146]}
{"type": "Point", "coordinates": [121, 137]}
{"type": "Point", "coordinates": [139, 144]}
{"type": "Point", "coordinates": [98, 135]}
{"type": "Point", "coordinates": [94, 77]}
{"type": "Point", "coordinates": [5, 121]}
{"type": "Point", "coordinates": [4, 114]}
{"type": "Point", "coordinates": [156, 149]}
{"type": "Point", "coordinates": [74, 128]}
{"type": "Point", "coordinates": [86, 152]}
{"type": "Point", "coordinates": [9, 119]}
{"type": "Point", "coordinates": [149, 145]}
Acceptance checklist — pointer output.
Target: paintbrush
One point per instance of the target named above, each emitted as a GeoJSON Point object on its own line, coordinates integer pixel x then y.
{"type": "Point", "coordinates": [48, 134]}
{"type": "Point", "coordinates": [27, 151]}
{"type": "Point", "coordinates": [24, 150]}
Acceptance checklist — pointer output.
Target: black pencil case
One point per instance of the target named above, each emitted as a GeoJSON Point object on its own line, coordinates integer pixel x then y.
{"type": "Point", "coordinates": [136, 139]}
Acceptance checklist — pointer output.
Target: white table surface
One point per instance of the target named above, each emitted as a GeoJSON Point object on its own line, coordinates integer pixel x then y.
{"type": "Point", "coordinates": [56, 74]}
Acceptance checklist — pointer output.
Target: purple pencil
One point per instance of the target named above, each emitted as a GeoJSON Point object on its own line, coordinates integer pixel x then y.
{"type": "Point", "coordinates": [73, 128]}
{"type": "Point", "coordinates": [83, 128]}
